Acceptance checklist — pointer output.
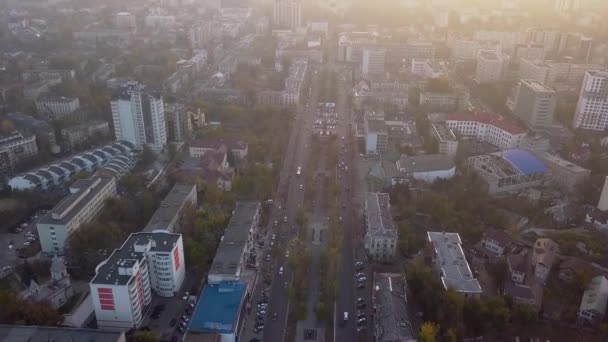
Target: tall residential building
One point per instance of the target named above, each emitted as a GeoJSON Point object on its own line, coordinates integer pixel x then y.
{"type": "Point", "coordinates": [566, 6]}
{"type": "Point", "coordinates": [584, 49]}
{"type": "Point", "coordinates": [86, 199]}
{"type": "Point", "coordinates": [139, 116]}
{"type": "Point", "coordinates": [592, 107]}
{"type": "Point", "coordinates": [528, 51]}
{"type": "Point", "coordinates": [553, 73]}
{"type": "Point", "coordinates": [381, 234]}
{"type": "Point", "coordinates": [146, 263]}
{"type": "Point", "coordinates": [535, 103]}
{"type": "Point", "coordinates": [288, 14]}
{"type": "Point", "coordinates": [124, 20]}
{"type": "Point", "coordinates": [549, 38]}
{"type": "Point", "coordinates": [56, 107]}
{"type": "Point", "coordinates": [463, 50]}
{"type": "Point", "coordinates": [373, 61]}
{"type": "Point", "coordinates": [490, 67]}
{"type": "Point", "coordinates": [15, 148]}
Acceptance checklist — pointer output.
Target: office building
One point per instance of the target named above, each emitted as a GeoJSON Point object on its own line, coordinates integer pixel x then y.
{"type": "Point", "coordinates": [73, 136]}
{"type": "Point", "coordinates": [594, 301]}
{"type": "Point", "coordinates": [139, 116]}
{"type": "Point", "coordinates": [34, 333]}
{"type": "Point", "coordinates": [507, 39]}
{"type": "Point", "coordinates": [535, 103]}
{"type": "Point", "coordinates": [167, 216]}
{"type": "Point", "coordinates": [376, 136]}
{"type": "Point", "coordinates": [288, 14]}
{"type": "Point", "coordinates": [16, 148]}
{"type": "Point", "coordinates": [453, 100]}
{"type": "Point", "coordinates": [450, 264]}
{"type": "Point", "coordinates": [584, 49]}
{"type": "Point", "coordinates": [467, 50]}
{"type": "Point", "coordinates": [566, 174]}
{"type": "Point", "coordinates": [145, 264]}
{"type": "Point", "coordinates": [490, 68]}
{"type": "Point", "coordinates": [427, 68]}
{"type": "Point", "coordinates": [528, 51]}
{"type": "Point", "coordinates": [125, 20]}
{"type": "Point", "coordinates": [508, 172]}
{"type": "Point", "coordinates": [391, 318]}
{"type": "Point", "coordinates": [236, 243]}
{"type": "Point", "coordinates": [86, 199]}
{"type": "Point", "coordinates": [373, 61]}
{"type": "Point", "coordinates": [486, 126]}
{"type": "Point", "coordinates": [56, 107]}
{"type": "Point", "coordinates": [115, 159]}
{"type": "Point", "coordinates": [381, 235]}
{"type": "Point", "coordinates": [549, 39]}
{"type": "Point", "coordinates": [537, 70]}
{"type": "Point", "coordinates": [592, 108]}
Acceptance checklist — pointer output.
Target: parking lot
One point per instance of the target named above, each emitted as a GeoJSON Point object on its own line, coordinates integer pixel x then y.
{"type": "Point", "coordinates": [23, 237]}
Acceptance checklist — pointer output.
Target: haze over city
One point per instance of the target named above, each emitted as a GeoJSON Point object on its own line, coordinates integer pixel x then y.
{"type": "Point", "coordinates": [308, 171]}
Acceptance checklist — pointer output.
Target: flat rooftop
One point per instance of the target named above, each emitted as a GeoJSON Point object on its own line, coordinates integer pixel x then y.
{"type": "Point", "coordinates": [31, 333]}
{"type": "Point", "coordinates": [537, 86]}
{"type": "Point", "coordinates": [392, 317]}
{"type": "Point", "coordinates": [167, 213]}
{"type": "Point", "coordinates": [379, 219]}
{"type": "Point", "coordinates": [83, 192]}
{"type": "Point", "coordinates": [552, 158]}
{"type": "Point", "coordinates": [456, 273]}
{"type": "Point", "coordinates": [426, 162]}
{"type": "Point", "coordinates": [218, 308]}
{"type": "Point", "coordinates": [443, 132]}
{"type": "Point", "coordinates": [229, 253]}
{"type": "Point", "coordinates": [489, 55]}
{"type": "Point", "coordinates": [127, 255]}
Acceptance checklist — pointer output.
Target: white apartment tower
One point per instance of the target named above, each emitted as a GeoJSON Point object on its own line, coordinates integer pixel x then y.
{"type": "Point", "coordinates": [288, 14]}
{"type": "Point", "coordinates": [535, 103]}
{"type": "Point", "coordinates": [139, 116]}
{"type": "Point", "coordinates": [592, 107]}
{"type": "Point", "coordinates": [490, 67]}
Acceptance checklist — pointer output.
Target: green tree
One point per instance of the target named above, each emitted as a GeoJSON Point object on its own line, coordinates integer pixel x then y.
{"type": "Point", "coordinates": [146, 336]}
{"type": "Point", "coordinates": [147, 156]}
{"type": "Point", "coordinates": [427, 332]}
{"type": "Point", "coordinates": [499, 271]}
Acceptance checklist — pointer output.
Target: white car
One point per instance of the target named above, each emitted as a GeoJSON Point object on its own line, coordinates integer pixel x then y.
{"type": "Point", "coordinates": [186, 295]}
{"type": "Point", "coordinates": [301, 186]}
{"type": "Point", "coordinates": [281, 270]}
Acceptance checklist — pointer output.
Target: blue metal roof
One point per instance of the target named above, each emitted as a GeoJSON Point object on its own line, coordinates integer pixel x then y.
{"type": "Point", "coordinates": [217, 309]}
{"type": "Point", "coordinates": [524, 161]}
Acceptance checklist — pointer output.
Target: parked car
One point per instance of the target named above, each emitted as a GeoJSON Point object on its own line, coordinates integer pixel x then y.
{"type": "Point", "coordinates": [186, 295]}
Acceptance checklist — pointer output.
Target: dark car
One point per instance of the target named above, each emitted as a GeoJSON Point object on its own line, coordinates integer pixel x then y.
{"type": "Point", "coordinates": [361, 306]}
{"type": "Point", "coordinates": [155, 315]}
{"type": "Point", "coordinates": [173, 322]}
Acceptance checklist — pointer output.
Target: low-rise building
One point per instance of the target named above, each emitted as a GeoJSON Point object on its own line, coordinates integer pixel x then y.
{"type": "Point", "coordinates": [381, 235]}
{"type": "Point", "coordinates": [145, 264]}
{"type": "Point", "coordinates": [376, 136]}
{"type": "Point", "coordinates": [427, 68]}
{"type": "Point", "coordinates": [391, 317]}
{"type": "Point", "coordinates": [87, 198]}
{"type": "Point", "coordinates": [16, 148]}
{"type": "Point", "coordinates": [486, 126]}
{"type": "Point", "coordinates": [454, 100]}
{"type": "Point", "coordinates": [167, 216]}
{"type": "Point", "coordinates": [236, 243]}
{"type": "Point", "coordinates": [238, 148]}
{"type": "Point", "coordinates": [565, 173]}
{"type": "Point", "coordinates": [508, 171]}
{"type": "Point", "coordinates": [446, 139]}
{"type": "Point", "coordinates": [56, 107]}
{"type": "Point", "coordinates": [73, 136]}
{"type": "Point", "coordinates": [56, 291]}
{"type": "Point", "coordinates": [449, 263]}
{"type": "Point", "coordinates": [571, 267]}
{"type": "Point", "coordinates": [38, 333]}
{"type": "Point", "coordinates": [544, 255]}
{"type": "Point", "coordinates": [427, 167]}
{"type": "Point", "coordinates": [595, 300]}
{"type": "Point", "coordinates": [496, 241]}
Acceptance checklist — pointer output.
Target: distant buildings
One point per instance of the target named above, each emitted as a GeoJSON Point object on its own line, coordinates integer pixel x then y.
{"type": "Point", "coordinates": [467, 50]}
{"type": "Point", "coordinates": [528, 51]}
{"type": "Point", "coordinates": [16, 148]}
{"type": "Point", "coordinates": [125, 20]}
{"type": "Point", "coordinates": [56, 107]}
{"type": "Point", "coordinates": [448, 101]}
{"type": "Point", "coordinates": [167, 216]}
{"type": "Point", "coordinates": [139, 116]}
{"type": "Point", "coordinates": [592, 107]}
{"type": "Point", "coordinates": [491, 67]}
{"type": "Point", "coordinates": [595, 301]}
{"type": "Point", "coordinates": [427, 167]}
{"type": "Point", "coordinates": [449, 263]}
{"type": "Point", "coordinates": [558, 75]}
{"type": "Point", "coordinates": [446, 139]}
{"type": "Point", "coordinates": [73, 136]}
{"type": "Point", "coordinates": [427, 68]}
{"type": "Point", "coordinates": [381, 235]}
{"type": "Point", "coordinates": [535, 103]}
{"type": "Point", "coordinates": [87, 198]}
{"type": "Point", "coordinates": [181, 121]}
{"type": "Point", "coordinates": [288, 14]}
{"type": "Point", "coordinates": [122, 288]}
{"type": "Point", "coordinates": [508, 171]}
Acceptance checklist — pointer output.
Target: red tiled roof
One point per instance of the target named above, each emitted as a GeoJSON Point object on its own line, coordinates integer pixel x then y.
{"type": "Point", "coordinates": [487, 118]}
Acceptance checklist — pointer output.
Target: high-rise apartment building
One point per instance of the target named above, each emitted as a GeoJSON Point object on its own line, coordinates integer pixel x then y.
{"type": "Point", "coordinates": [592, 107]}
{"type": "Point", "coordinates": [490, 67]}
{"type": "Point", "coordinates": [535, 103]}
{"type": "Point", "coordinates": [373, 61]}
{"type": "Point", "coordinates": [146, 263]}
{"type": "Point", "coordinates": [139, 116]}
{"type": "Point", "coordinates": [288, 14]}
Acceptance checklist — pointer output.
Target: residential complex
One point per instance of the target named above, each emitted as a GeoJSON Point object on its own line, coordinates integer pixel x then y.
{"type": "Point", "coordinates": [534, 103]}
{"type": "Point", "coordinates": [488, 127]}
{"type": "Point", "coordinates": [145, 264]}
{"type": "Point", "coordinates": [232, 253]}
{"type": "Point", "coordinates": [115, 159]}
{"type": "Point", "coordinates": [167, 216]}
{"type": "Point", "coordinates": [16, 148]}
{"type": "Point", "coordinates": [508, 171]}
{"type": "Point", "coordinates": [380, 232]}
{"type": "Point", "coordinates": [491, 67]}
{"type": "Point", "coordinates": [454, 100]}
{"type": "Point", "coordinates": [86, 199]}
{"type": "Point", "coordinates": [450, 264]}
{"type": "Point", "coordinates": [592, 108]}
{"type": "Point", "coordinates": [288, 14]}
{"type": "Point", "coordinates": [139, 116]}
{"type": "Point", "coordinates": [56, 107]}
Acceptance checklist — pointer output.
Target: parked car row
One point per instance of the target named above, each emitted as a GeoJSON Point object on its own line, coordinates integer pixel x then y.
{"type": "Point", "coordinates": [261, 310]}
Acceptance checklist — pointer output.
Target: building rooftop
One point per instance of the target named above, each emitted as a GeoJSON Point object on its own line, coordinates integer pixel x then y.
{"type": "Point", "coordinates": [524, 161]}
{"type": "Point", "coordinates": [443, 132]}
{"type": "Point", "coordinates": [167, 213]}
{"type": "Point", "coordinates": [376, 126]}
{"type": "Point", "coordinates": [218, 307]}
{"type": "Point", "coordinates": [537, 86]}
{"type": "Point", "coordinates": [552, 158]}
{"type": "Point", "coordinates": [379, 219]}
{"type": "Point", "coordinates": [229, 253]}
{"type": "Point", "coordinates": [131, 251]}
{"type": "Point", "coordinates": [392, 317]}
{"type": "Point", "coordinates": [31, 333]}
{"type": "Point", "coordinates": [82, 192]}
{"type": "Point", "coordinates": [487, 118]}
{"type": "Point", "coordinates": [455, 271]}
{"type": "Point", "coordinates": [425, 163]}
{"type": "Point", "coordinates": [489, 55]}
{"type": "Point", "coordinates": [595, 297]}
